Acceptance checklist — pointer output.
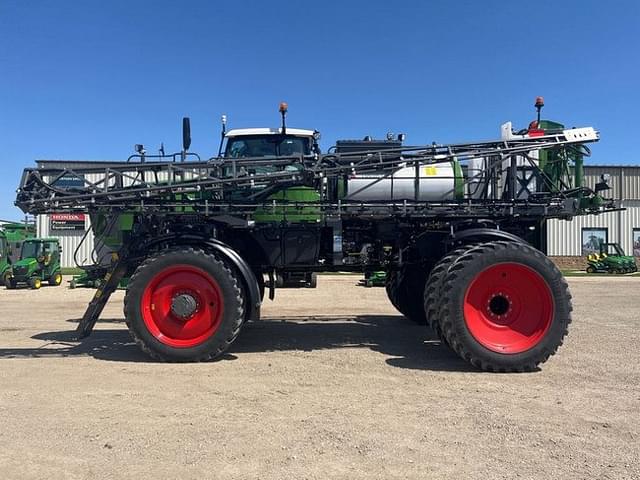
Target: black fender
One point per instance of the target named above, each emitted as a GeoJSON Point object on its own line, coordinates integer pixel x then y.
{"type": "Point", "coordinates": [227, 254]}
{"type": "Point", "coordinates": [477, 234]}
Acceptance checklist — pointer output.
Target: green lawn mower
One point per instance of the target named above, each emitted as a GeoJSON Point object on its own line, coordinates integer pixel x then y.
{"type": "Point", "coordinates": [611, 259]}
{"type": "Point", "coordinates": [5, 262]}
{"type": "Point", "coordinates": [39, 262]}
{"type": "Point", "coordinates": [93, 276]}
{"type": "Point", "coordinates": [374, 279]}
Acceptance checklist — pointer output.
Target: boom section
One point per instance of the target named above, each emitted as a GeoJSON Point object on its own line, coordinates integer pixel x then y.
{"type": "Point", "coordinates": [500, 172]}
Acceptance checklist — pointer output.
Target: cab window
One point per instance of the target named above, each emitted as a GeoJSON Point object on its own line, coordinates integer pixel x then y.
{"type": "Point", "coordinates": [267, 146]}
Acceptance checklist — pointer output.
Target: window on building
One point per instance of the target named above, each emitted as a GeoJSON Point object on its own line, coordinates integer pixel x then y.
{"type": "Point", "coordinates": [592, 238]}
{"type": "Point", "coordinates": [636, 242]}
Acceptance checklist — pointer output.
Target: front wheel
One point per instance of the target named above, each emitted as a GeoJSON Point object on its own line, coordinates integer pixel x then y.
{"type": "Point", "coordinates": [35, 283]}
{"type": "Point", "coordinates": [504, 307]}
{"type": "Point", "coordinates": [9, 282]}
{"type": "Point", "coordinates": [184, 305]}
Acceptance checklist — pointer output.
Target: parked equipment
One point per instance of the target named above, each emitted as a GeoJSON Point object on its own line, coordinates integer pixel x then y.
{"type": "Point", "coordinates": [611, 259]}
{"type": "Point", "coordinates": [39, 262]}
{"type": "Point", "coordinates": [374, 279]}
{"type": "Point", "coordinates": [457, 228]}
{"type": "Point", "coordinates": [5, 262]}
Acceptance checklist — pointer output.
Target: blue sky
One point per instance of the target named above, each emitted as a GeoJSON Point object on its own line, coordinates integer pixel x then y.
{"type": "Point", "coordinates": [88, 79]}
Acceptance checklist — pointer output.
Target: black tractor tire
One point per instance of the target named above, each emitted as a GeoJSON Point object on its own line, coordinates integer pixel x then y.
{"type": "Point", "coordinates": [35, 283]}
{"type": "Point", "coordinates": [6, 278]}
{"type": "Point", "coordinates": [55, 279]}
{"type": "Point", "coordinates": [391, 287]}
{"type": "Point", "coordinates": [504, 307]}
{"type": "Point", "coordinates": [433, 290]}
{"type": "Point", "coordinates": [590, 269]}
{"type": "Point", "coordinates": [405, 289]}
{"type": "Point", "coordinates": [184, 271]}
{"type": "Point", "coordinates": [9, 283]}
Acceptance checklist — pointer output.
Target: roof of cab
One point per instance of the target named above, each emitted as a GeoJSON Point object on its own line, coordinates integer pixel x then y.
{"type": "Point", "coordinates": [238, 132]}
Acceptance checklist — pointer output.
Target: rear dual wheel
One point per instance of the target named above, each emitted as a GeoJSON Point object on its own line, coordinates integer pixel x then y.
{"type": "Point", "coordinates": [184, 305]}
{"type": "Point", "coordinates": [56, 279]}
{"type": "Point", "coordinates": [502, 306]}
{"type": "Point", "coordinates": [404, 288]}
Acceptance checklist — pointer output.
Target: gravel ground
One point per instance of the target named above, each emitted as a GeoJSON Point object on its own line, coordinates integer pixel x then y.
{"type": "Point", "coordinates": [332, 383]}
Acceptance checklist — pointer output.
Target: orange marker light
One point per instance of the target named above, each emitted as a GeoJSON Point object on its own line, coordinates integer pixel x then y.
{"type": "Point", "coordinates": [539, 102]}
{"type": "Point", "coordinates": [283, 107]}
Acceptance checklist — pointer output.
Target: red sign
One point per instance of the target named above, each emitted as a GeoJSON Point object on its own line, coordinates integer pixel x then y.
{"type": "Point", "coordinates": [67, 221]}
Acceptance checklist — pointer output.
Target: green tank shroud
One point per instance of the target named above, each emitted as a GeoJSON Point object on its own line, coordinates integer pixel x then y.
{"type": "Point", "coordinates": [291, 213]}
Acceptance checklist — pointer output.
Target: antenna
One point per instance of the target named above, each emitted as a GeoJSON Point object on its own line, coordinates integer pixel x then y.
{"type": "Point", "coordinates": [223, 132]}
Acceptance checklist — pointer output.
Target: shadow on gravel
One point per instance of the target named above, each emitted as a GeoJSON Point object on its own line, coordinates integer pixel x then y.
{"type": "Point", "coordinates": [114, 345]}
{"type": "Point", "coordinates": [409, 345]}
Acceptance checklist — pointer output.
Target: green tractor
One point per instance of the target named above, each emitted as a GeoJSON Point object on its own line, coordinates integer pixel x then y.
{"type": "Point", "coordinates": [611, 259]}
{"type": "Point", "coordinates": [5, 262]}
{"type": "Point", "coordinates": [39, 262]}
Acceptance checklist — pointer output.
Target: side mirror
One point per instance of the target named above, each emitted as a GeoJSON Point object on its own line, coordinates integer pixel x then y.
{"type": "Point", "coordinates": [186, 133]}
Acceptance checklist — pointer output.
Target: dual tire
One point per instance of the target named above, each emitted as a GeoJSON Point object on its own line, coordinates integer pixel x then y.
{"type": "Point", "coordinates": [404, 288]}
{"type": "Point", "coordinates": [502, 306]}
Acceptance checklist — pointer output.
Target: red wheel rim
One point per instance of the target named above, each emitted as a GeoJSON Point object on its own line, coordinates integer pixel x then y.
{"type": "Point", "coordinates": [182, 306]}
{"type": "Point", "coordinates": [508, 308]}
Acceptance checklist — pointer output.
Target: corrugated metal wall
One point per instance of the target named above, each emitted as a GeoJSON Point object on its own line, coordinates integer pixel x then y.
{"type": "Point", "coordinates": [564, 238]}
{"type": "Point", "coordinates": [69, 241]}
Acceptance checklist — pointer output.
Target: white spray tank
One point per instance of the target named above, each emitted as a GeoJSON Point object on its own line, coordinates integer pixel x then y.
{"type": "Point", "coordinates": [436, 182]}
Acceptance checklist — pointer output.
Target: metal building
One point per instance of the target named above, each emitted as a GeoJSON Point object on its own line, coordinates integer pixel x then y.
{"type": "Point", "coordinates": [579, 237]}
{"type": "Point", "coordinates": [567, 241]}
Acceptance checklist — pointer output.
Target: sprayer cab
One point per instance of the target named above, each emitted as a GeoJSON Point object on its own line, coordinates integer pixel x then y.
{"type": "Point", "coordinates": [268, 142]}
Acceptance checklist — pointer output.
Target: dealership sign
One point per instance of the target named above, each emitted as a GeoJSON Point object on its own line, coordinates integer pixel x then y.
{"type": "Point", "coordinates": [67, 221]}
{"type": "Point", "coordinates": [69, 181]}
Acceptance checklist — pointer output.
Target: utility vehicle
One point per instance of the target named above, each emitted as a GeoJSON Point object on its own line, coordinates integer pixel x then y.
{"type": "Point", "coordinates": [5, 262]}
{"type": "Point", "coordinates": [611, 259]}
{"type": "Point", "coordinates": [39, 262]}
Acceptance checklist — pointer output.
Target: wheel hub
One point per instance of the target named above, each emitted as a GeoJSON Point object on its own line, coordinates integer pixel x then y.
{"type": "Point", "coordinates": [499, 306]}
{"type": "Point", "coordinates": [184, 305]}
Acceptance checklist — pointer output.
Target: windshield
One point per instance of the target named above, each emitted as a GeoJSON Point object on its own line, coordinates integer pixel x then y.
{"type": "Point", "coordinates": [31, 250]}
{"type": "Point", "coordinates": [267, 146]}
{"type": "Point", "coordinates": [614, 249]}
